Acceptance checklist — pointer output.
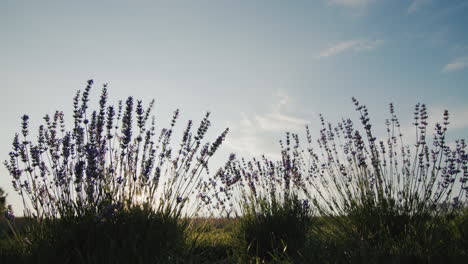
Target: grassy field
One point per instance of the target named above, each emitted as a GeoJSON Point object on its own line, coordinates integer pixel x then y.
{"type": "Point", "coordinates": [135, 239]}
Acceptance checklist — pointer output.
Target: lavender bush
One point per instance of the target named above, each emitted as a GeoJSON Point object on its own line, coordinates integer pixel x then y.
{"type": "Point", "coordinates": [268, 197]}
{"type": "Point", "coordinates": [352, 166]}
{"type": "Point", "coordinates": [398, 199]}
{"type": "Point", "coordinates": [381, 195]}
{"type": "Point", "coordinates": [113, 157]}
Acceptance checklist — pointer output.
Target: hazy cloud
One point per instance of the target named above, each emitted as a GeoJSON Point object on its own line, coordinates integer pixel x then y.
{"type": "Point", "coordinates": [355, 45]}
{"type": "Point", "coordinates": [259, 134]}
{"type": "Point", "coordinates": [457, 64]}
{"type": "Point", "coordinates": [417, 5]}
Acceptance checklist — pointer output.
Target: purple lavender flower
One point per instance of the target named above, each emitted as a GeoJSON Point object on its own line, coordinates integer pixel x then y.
{"type": "Point", "coordinates": [9, 215]}
{"type": "Point", "coordinates": [179, 199]}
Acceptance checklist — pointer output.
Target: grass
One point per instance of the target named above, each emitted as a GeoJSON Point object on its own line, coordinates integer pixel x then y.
{"type": "Point", "coordinates": [368, 236]}
{"type": "Point", "coordinates": [142, 237]}
{"type": "Point", "coordinates": [213, 239]}
{"type": "Point", "coordinates": [134, 236]}
{"type": "Point", "coordinates": [270, 230]}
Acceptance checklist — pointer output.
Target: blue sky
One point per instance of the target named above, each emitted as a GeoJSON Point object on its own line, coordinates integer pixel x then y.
{"type": "Point", "coordinates": [261, 67]}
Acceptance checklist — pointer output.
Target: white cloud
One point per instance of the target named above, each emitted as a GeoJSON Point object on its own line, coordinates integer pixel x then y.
{"type": "Point", "coordinates": [457, 64]}
{"type": "Point", "coordinates": [355, 45]}
{"type": "Point", "coordinates": [350, 3]}
{"type": "Point", "coordinates": [259, 134]}
{"type": "Point", "coordinates": [276, 122]}
{"type": "Point", "coordinates": [417, 5]}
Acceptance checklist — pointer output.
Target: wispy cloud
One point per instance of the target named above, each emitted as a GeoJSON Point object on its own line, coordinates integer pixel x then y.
{"type": "Point", "coordinates": [417, 5]}
{"type": "Point", "coordinates": [258, 134]}
{"type": "Point", "coordinates": [355, 45]}
{"type": "Point", "coordinates": [457, 64]}
{"type": "Point", "coordinates": [350, 3]}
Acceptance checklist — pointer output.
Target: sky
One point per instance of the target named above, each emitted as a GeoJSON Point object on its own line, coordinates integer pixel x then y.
{"type": "Point", "coordinates": [261, 67]}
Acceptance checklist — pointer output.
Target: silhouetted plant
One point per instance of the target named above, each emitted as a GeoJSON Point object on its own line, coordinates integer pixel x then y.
{"type": "Point", "coordinates": [377, 195]}
{"type": "Point", "coordinates": [269, 199]}
{"type": "Point", "coordinates": [353, 167]}
{"type": "Point", "coordinates": [112, 157]}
